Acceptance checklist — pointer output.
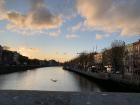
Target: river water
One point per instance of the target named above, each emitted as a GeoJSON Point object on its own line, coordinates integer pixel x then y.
{"type": "Point", "coordinates": [47, 79]}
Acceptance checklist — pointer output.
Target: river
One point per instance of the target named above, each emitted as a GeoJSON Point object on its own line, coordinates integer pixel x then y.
{"type": "Point", "coordinates": [47, 79]}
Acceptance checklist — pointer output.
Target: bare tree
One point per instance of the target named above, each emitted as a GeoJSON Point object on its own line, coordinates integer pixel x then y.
{"type": "Point", "coordinates": [106, 57]}
{"type": "Point", "coordinates": [117, 55]}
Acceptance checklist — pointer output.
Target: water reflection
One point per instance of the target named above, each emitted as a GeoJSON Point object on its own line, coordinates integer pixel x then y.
{"type": "Point", "coordinates": [41, 79]}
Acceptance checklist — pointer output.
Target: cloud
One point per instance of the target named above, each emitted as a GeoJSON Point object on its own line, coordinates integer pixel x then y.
{"type": "Point", "coordinates": [111, 15]}
{"type": "Point", "coordinates": [71, 36]}
{"type": "Point", "coordinates": [55, 33]}
{"type": "Point", "coordinates": [81, 26]}
{"type": "Point", "coordinates": [2, 9]}
{"type": "Point", "coordinates": [37, 18]}
{"type": "Point", "coordinates": [51, 32]}
{"type": "Point", "coordinates": [76, 27]}
{"type": "Point", "coordinates": [99, 37]}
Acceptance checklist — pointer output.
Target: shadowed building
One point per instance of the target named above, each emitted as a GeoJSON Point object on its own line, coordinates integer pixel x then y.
{"type": "Point", "coordinates": [16, 58]}
{"type": "Point", "coordinates": [7, 57]}
{"type": "Point", "coordinates": [136, 52]}
{"type": "Point", "coordinates": [129, 60]}
{"type": "Point", "coordinates": [1, 54]}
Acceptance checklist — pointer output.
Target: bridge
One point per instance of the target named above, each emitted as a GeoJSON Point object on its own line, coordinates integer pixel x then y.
{"type": "Point", "coordinates": [67, 98]}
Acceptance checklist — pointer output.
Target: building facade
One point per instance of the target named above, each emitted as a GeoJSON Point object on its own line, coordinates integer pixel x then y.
{"type": "Point", "coordinates": [128, 61]}
{"type": "Point", "coordinates": [16, 58]}
{"type": "Point", "coordinates": [136, 52]}
{"type": "Point", "coordinates": [1, 49]}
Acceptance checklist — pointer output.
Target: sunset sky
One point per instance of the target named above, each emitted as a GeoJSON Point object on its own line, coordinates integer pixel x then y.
{"type": "Point", "coordinates": [59, 29]}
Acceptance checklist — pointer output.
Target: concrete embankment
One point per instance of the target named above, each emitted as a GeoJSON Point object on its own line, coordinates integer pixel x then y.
{"type": "Point", "coordinates": [121, 82]}
{"type": "Point", "coordinates": [11, 69]}
{"type": "Point", "coordinates": [67, 98]}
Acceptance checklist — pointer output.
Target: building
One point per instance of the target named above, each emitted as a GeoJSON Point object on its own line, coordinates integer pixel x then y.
{"type": "Point", "coordinates": [136, 52]}
{"type": "Point", "coordinates": [53, 63]}
{"type": "Point", "coordinates": [128, 61]}
{"type": "Point", "coordinates": [1, 49]}
{"type": "Point", "coordinates": [7, 57]}
{"type": "Point", "coordinates": [98, 58]}
{"type": "Point", "coordinates": [16, 58]}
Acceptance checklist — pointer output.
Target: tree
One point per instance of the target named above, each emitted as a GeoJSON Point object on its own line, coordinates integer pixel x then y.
{"type": "Point", "coordinates": [117, 55]}
{"type": "Point", "coordinates": [106, 54]}
{"type": "Point", "coordinates": [83, 60]}
{"type": "Point", "coordinates": [90, 59]}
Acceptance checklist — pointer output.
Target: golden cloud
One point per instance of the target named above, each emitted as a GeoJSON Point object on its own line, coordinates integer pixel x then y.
{"type": "Point", "coordinates": [111, 15]}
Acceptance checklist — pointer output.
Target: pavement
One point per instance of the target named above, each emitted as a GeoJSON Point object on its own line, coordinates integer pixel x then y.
{"type": "Point", "coordinates": [13, 97]}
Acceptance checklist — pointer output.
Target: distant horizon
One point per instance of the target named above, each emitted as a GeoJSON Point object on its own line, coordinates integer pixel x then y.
{"type": "Point", "coordinates": [71, 58]}
{"type": "Point", "coordinates": [46, 29]}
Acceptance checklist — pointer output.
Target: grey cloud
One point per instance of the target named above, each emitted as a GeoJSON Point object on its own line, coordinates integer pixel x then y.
{"type": "Point", "coordinates": [37, 18]}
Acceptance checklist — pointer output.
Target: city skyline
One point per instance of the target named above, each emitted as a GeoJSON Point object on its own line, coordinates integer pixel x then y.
{"type": "Point", "coordinates": [47, 29]}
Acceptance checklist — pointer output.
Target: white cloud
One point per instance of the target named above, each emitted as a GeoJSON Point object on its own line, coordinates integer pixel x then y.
{"type": "Point", "coordinates": [81, 26]}
{"type": "Point", "coordinates": [55, 33]}
{"type": "Point", "coordinates": [111, 15]}
{"type": "Point", "coordinates": [76, 27]}
{"type": "Point", "coordinates": [71, 36]}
